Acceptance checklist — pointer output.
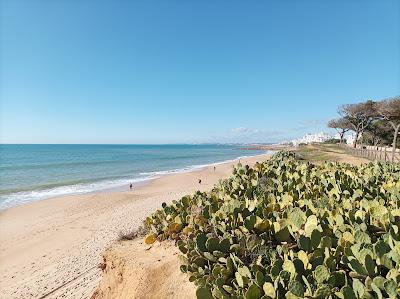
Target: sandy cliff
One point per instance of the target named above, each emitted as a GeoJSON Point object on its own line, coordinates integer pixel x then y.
{"type": "Point", "coordinates": [130, 270]}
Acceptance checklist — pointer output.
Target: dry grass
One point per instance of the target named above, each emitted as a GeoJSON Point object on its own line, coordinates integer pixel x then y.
{"type": "Point", "coordinates": [131, 235]}
{"type": "Point", "coordinates": [319, 153]}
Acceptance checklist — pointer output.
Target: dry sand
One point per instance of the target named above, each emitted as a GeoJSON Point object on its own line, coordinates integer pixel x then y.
{"type": "Point", "coordinates": [131, 270]}
{"type": "Point", "coordinates": [53, 248]}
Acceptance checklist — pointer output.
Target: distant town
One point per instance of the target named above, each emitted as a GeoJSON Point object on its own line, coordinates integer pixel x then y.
{"type": "Point", "coordinates": [320, 137]}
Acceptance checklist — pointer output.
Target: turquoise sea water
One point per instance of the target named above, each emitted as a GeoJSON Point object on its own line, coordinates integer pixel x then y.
{"type": "Point", "coordinates": [34, 172]}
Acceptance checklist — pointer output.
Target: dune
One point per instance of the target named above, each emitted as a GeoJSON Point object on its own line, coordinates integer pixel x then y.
{"type": "Point", "coordinates": [131, 270]}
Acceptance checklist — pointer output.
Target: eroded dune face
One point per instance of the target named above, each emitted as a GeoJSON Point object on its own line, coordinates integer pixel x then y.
{"type": "Point", "coordinates": [132, 271]}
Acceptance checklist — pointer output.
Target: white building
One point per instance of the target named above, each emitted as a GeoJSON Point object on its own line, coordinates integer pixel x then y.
{"type": "Point", "coordinates": [312, 138]}
{"type": "Point", "coordinates": [337, 136]}
{"type": "Point", "coordinates": [350, 137]}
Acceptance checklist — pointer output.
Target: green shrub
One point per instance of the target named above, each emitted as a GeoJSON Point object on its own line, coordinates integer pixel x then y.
{"type": "Point", "coordinates": [333, 141]}
{"type": "Point", "coordinates": [290, 229]}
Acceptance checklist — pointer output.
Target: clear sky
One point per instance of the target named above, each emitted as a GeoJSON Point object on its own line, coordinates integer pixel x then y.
{"type": "Point", "coordinates": [190, 71]}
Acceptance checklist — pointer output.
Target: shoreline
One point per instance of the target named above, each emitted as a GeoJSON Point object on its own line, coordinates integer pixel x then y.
{"type": "Point", "coordinates": [54, 246]}
{"type": "Point", "coordinates": [107, 186]}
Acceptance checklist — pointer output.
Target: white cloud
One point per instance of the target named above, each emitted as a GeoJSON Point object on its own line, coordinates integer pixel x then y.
{"type": "Point", "coordinates": [244, 130]}
{"type": "Point", "coordinates": [310, 125]}
{"type": "Point", "coordinates": [251, 135]}
{"type": "Point", "coordinates": [313, 122]}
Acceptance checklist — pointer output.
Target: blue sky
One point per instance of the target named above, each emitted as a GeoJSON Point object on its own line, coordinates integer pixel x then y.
{"type": "Point", "coordinates": [190, 71]}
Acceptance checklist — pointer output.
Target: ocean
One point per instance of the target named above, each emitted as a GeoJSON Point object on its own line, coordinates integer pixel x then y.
{"type": "Point", "coordinates": [34, 172]}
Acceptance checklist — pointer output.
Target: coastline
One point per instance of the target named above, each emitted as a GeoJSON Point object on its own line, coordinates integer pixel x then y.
{"type": "Point", "coordinates": [116, 185]}
{"type": "Point", "coordinates": [53, 247]}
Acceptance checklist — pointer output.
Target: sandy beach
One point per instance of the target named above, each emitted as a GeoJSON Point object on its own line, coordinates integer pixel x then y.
{"type": "Point", "coordinates": [52, 248]}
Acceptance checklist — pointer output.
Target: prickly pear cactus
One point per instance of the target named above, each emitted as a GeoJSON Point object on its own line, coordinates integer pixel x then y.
{"type": "Point", "coordinates": [290, 229]}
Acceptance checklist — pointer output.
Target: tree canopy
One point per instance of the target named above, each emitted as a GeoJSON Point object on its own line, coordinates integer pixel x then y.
{"type": "Point", "coordinates": [377, 121]}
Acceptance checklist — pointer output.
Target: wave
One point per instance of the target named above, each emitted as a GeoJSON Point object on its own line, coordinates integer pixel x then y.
{"type": "Point", "coordinates": [194, 167]}
{"type": "Point", "coordinates": [48, 186]}
{"type": "Point", "coordinates": [27, 196]}
{"type": "Point", "coordinates": [18, 198]}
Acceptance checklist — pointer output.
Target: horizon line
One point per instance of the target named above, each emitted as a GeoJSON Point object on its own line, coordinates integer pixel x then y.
{"type": "Point", "coordinates": [184, 143]}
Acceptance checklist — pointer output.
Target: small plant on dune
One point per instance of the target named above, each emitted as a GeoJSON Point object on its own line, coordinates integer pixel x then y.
{"type": "Point", "coordinates": [290, 229]}
{"type": "Point", "coordinates": [131, 235]}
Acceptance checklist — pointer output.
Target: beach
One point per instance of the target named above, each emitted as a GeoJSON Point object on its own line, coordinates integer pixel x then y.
{"type": "Point", "coordinates": [52, 248]}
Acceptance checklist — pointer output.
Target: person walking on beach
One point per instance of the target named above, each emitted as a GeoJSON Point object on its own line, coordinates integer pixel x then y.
{"type": "Point", "coordinates": [200, 181]}
{"type": "Point", "coordinates": [131, 186]}
{"type": "Point", "coordinates": [214, 168]}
